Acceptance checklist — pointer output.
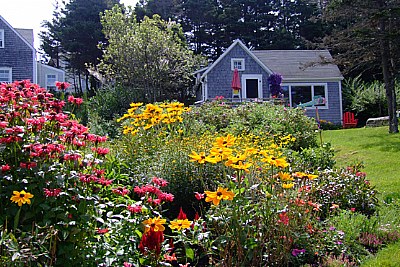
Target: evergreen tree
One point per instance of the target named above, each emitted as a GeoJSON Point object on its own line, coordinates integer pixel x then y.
{"type": "Point", "coordinates": [366, 35]}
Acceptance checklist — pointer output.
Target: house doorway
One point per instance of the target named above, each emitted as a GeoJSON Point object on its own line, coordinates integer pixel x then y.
{"type": "Point", "coordinates": [252, 86]}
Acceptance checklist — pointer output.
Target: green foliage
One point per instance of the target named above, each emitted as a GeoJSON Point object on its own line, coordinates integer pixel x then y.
{"type": "Point", "coordinates": [347, 188]}
{"type": "Point", "coordinates": [367, 100]}
{"type": "Point", "coordinates": [315, 158]}
{"type": "Point", "coordinates": [150, 55]}
{"type": "Point", "coordinates": [257, 118]}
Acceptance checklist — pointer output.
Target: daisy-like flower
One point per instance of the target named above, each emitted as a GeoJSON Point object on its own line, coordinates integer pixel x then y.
{"type": "Point", "coordinates": [180, 224]}
{"type": "Point", "coordinates": [221, 153]}
{"type": "Point", "coordinates": [201, 158]}
{"type": "Point", "coordinates": [21, 197]}
{"type": "Point", "coordinates": [217, 196]}
{"type": "Point", "coordinates": [284, 176]}
{"type": "Point", "coordinates": [155, 224]}
{"type": "Point", "coordinates": [225, 141]}
{"type": "Point", "coordinates": [278, 162]}
{"type": "Point", "coordinates": [303, 175]}
{"type": "Point", "coordinates": [242, 166]}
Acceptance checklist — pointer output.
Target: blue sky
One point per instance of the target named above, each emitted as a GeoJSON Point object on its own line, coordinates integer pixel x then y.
{"type": "Point", "coordinates": [29, 14]}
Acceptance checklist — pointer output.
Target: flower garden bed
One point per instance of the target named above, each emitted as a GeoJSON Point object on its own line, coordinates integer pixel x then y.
{"type": "Point", "coordinates": [208, 186]}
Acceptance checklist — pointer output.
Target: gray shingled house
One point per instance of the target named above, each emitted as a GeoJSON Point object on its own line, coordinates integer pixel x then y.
{"type": "Point", "coordinates": [18, 58]}
{"type": "Point", "coordinates": [309, 78]}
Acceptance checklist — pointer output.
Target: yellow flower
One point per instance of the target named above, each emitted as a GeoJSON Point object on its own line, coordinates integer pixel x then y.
{"type": "Point", "coordinates": [225, 141]}
{"type": "Point", "coordinates": [284, 176]}
{"type": "Point", "coordinates": [201, 158]}
{"type": "Point", "coordinates": [156, 224]}
{"type": "Point", "coordinates": [235, 159]}
{"type": "Point", "coordinates": [303, 175]}
{"type": "Point", "coordinates": [278, 162]}
{"type": "Point", "coordinates": [242, 166]}
{"type": "Point", "coordinates": [217, 196]}
{"type": "Point", "coordinates": [287, 186]}
{"type": "Point", "coordinates": [221, 153]}
{"type": "Point", "coordinates": [180, 224]}
{"type": "Point", "coordinates": [21, 197]}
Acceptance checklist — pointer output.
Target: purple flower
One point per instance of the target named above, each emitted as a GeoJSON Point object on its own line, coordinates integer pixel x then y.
{"type": "Point", "coordinates": [332, 228]}
{"type": "Point", "coordinates": [297, 251]}
{"type": "Point", "coordinates": [275, 80]}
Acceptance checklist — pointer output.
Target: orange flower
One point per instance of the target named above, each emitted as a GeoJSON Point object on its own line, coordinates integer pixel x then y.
{"type": "Point", "coordinates": [225, 141]}
{"type": "Point", "coordinates": [217, 196]}
{"type": "Point", "coordinates": [21, 197]}
{"type": "Point", "coordinates": [154, 224]}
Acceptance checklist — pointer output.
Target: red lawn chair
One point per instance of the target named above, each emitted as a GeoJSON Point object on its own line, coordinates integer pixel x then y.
{"type": "Point", "coordinates": [349, 121]}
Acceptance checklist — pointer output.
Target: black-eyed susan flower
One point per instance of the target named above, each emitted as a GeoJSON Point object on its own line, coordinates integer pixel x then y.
{"type": "Point", "coordinates": [225, 141]}
{"type": "Point", "coordinates": [284, 176]}
{"type": "Point", "coordinates": [155, 224]}
{"type": "Point", "coordinates": [180, 224]}
{"type": "Point", "coordinates": [201, 158]}
{"type": "Point", "coordinates": [275, 161]}
{"type": "Point", "coordinates": [216, 196]}
{"type": "Point", "coordinates": [21, 197]}
{"type": "Point", "coordinates": [303, 175]}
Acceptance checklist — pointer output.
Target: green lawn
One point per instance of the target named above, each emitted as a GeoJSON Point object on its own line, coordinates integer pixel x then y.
{"type": "Point", "coordinates": [378, 150]}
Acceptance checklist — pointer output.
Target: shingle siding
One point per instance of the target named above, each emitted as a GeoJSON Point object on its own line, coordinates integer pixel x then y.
{"type": "Point", "coordinates": [17, 55]}
{"type": "Point", "coordinates": [333, 113]}
{"type": "Point", "coordinates": [220, 78]}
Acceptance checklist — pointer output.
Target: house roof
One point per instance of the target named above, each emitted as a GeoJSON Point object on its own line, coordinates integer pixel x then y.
{"type": "Point", "coordinates": [236, 42]}
{"type": "Point", "coordinates": [19, 34]}
{"type": "Point", "coordinates": [298, 65]}
{"type": "Point", "coordinates": [27, 34]}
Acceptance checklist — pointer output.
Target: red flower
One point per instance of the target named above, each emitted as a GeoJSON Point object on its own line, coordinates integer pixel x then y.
{"type": "Point", "coordinates": [283, 218]}
{"type": "Point", "coordinates": [353, 209]}
{"type": "Point", "coordinates": [102, 231]}
{"type": "Point", "coordinates": [151, 241]}
{"type": "Point", "coordinates": [5, 168]}
{"type": "Point", "coordinates": [62, 85]}
{"type": "Point", "coordinates": [181, 215]}
{"type": "Point", "coordinates": [198, 196]}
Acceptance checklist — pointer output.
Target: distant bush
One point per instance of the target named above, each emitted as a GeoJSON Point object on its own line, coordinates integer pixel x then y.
{"type": "Point", "coordinates": [256, 118]}
{"type": "Point", "coordinates": [367, 100]}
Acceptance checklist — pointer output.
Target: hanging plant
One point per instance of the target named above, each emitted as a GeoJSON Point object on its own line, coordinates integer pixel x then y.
{"type": "Point", "coordinates": [275, 80]}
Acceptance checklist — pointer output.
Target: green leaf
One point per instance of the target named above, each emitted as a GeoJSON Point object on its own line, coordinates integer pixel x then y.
{"type": "Point", "coordinates": [189, 253]}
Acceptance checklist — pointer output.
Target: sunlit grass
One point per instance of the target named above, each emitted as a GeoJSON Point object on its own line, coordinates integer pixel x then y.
{"type": "Point", "coordinates": [378, 150]}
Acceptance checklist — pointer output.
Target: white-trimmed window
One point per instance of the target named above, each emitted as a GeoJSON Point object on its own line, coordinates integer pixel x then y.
{"type": "Point", "coordinates": [1, 38]}
{"type": "Point", "coordinates": [5, 75]}
{"type": "Point", "coordinates": [51, 81]}
{"type": "Point", "coordinates": [307, 95]}
{"type": "Point", "coordinates": [237, 63]}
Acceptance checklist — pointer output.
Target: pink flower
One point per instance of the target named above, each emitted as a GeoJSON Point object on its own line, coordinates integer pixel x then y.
{"type": "Point", "coordinates": [159, 181]}
{"type": "Point", "coordinates": [353, 209]}
{"type": "Point", "coordinates": [198, 195]}
{"type": "Point", "coordinates": [52, 192]}
{"type": "Point", "coordinates": [134, 208]}
{"type": "Point", "coordinates": [127, 264]}
{"type": "Point", "coordinates": [62, 85]}
{"type": "Point", "coordinates": [5, 168]}
{"type": "Point", "coordinates": [120, 191]}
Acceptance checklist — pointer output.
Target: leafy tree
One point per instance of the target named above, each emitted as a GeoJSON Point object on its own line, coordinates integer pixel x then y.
{"type": "Point", "coordinates": [150, 55]}
{"type": "Point", "coordinates": [167, 9]}
{"type": "Point", "coordinates": [366, 35]}
{"type": "Point", "coordinates": [74, 34]}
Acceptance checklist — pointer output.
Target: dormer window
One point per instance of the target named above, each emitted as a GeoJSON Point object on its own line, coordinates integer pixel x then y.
{"type": "Point", "coordinates": [237, 63]}
{"type": "Point", "coordinates": [1, 38]}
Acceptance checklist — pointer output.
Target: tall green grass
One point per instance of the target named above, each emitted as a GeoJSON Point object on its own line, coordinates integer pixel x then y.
{"type": "Point", "coordinates": [378, 150]}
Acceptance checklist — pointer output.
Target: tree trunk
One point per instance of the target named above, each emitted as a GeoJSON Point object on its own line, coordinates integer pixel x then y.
{"type": "Point", "coordinates": [388, 77]}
